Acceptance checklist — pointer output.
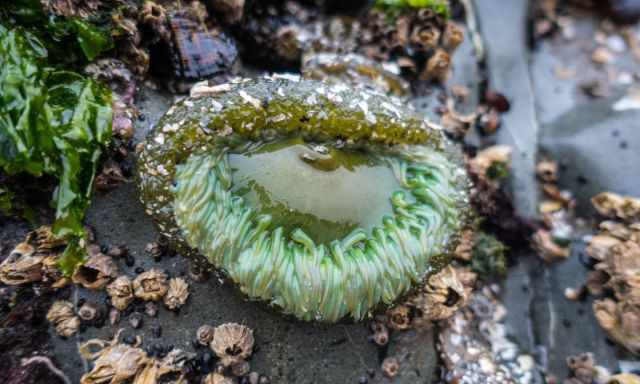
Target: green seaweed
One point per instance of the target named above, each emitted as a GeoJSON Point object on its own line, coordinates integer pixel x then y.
{"type": "Point", "coordinates": [71, 40]}
{"type": "Point", "coordinates": [441, 7]}
{"type": "Point", "coordinates": [498, 171]}
{"type": "Point", "coordinates": [186, 183]}
{"type": "Point", "coordinates": [6, 201]}
{"type": "Point", "coordinates": [488, 258]}
{"type": "Point", "coordinates": [52, 122]}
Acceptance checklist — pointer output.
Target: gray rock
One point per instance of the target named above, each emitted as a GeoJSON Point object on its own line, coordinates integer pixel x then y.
{"type": "Point", "coordinates": [416, 354]}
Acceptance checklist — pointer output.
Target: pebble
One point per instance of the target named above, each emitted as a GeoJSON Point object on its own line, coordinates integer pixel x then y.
{"type": "Point", "coordinates": [161, 351]}
{"type": "Point", "coordinates": [130, 261]}
{"type": "Point", "coordinates": [135, 319]}
{"type": "Point", "coordinates": [254, 378]}
{"type": "Point", "coordinates": [240, 369]}
{"type": "Point", "coordinates": [156, 330]}
{"type": "Point", "coordinates": [205, 361]}
{"type": "Point", "coordinates": [616, 43]}
{"type": "Point", "coordinates": [114, 316]}
{"type": "Point", "coordinates": [129, 339]}
{"type": "Point", "coordinates": [151, 309]}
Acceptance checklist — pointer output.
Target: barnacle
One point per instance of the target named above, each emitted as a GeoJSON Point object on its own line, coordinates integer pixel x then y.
{"type": "Point", "coordinates": [443, 294]}
{"type": "Point", "coordinates": [616, 250]}
{"type": "Point", "coordinates": [232, 343]}
{"type": "Point", "coordinates": [390, 366]}
{"type": "Point", "coordinates": [216, 378]}
{"type": "Point", "coordinates": [30, 260]}
{"type": "Point", "coordinates": [121, 292]}
{"type": "Point", "coordinates": [62, 317]}
{"type": "Point", "coordinates": [21, 266]}
{"type": "Point", "coordinates": [154, 369]}
{"type": "Point", "coordinates": [204, 334]}
{"type": "Point", "coordinates": [88, 312]}
{"type": "Point", "coordinates": [240, 368]}
{"type": "Point", "coordinates": [399, 318]}
{"type": "Point", "coordinates": [150, 285]}
{"type": "Point", "coordinates": [616, 206]}
{"type": "Point", "coordinates": [583, 367]}
{"type": "Point", "coordinates": [177, 293]}
{"type": "Point", "coordinates": [624, 378]}
{"type": "Point", "coordinates": [380, 332]}
{"type": "Point", "coordinates": [492, 163]}
{"type": "Point", "coordinates": [97, 271]}
{"type": "Point", "coordinates": [114, 362]}
{"type": "Point", "coordinates": [323, 201]}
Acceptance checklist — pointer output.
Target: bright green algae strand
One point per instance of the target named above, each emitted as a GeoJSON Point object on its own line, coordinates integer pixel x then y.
{"type": "Point", "coordinates": [187, 183]}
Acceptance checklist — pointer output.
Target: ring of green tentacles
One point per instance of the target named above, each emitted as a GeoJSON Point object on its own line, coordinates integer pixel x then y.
{"type": "Point", "coordinates": [186, 184]}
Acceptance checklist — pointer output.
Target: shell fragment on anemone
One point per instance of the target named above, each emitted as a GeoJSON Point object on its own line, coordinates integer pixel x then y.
{"type": "Point", "coordinates": [321, 200]}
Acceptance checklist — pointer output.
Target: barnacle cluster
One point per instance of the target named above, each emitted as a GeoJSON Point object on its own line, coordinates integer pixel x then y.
{"type": "Point", "coordinates": [116, 362]}
{"type": "Point", "coordinates": [323, 201]}
{"type": "Point", "coordinates": [475, 347]}
{"type": "Point", "coordinates": [33, 259]}
{"type": "Point", "coordinates": [354, 69]}
{"type": "Point", "coordinates": [616, 275]}
{"type": "Point", "coordinates": [420, 39]}
{"type": "Point", "coordinates": [232, 343]}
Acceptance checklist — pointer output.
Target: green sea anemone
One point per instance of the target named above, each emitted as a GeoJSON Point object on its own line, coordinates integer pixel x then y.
{"type": "Point", "coordinates": [323, 201]}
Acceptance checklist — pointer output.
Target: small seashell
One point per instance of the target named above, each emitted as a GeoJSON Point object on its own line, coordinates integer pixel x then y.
{"type": "Point", "coordinates": [88, 312]}
{"type": "Point", "coordinates": [390, 367]}
{"type": "Point", "coordinates": [204, 334]}
{"type": "Point", "coordinates": [380, 333]}
{"type": "Point", "coordinates": [398, 318]}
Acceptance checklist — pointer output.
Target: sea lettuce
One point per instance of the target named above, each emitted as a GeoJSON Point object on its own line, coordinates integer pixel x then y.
{"type": "Point", "coordinates": [67, 37]}
{"type": "Point", "coordinates": [52, 122]}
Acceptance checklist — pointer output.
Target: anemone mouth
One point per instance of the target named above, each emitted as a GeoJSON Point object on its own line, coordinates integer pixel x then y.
{"type": "Point", "coordinates": [326, 190]}
{"type": "Point", "coordinates": [325, 220]}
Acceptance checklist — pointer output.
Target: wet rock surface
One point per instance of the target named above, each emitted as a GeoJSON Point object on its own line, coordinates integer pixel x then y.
{"type": "Point", "coordinates": [416, 355]}
{"type": "Point", "coordinates": [288, 351]}
{"type": "Point", "coordinates": [583, 133]}
{"type": "Point", "coordinates": [595, 140]}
